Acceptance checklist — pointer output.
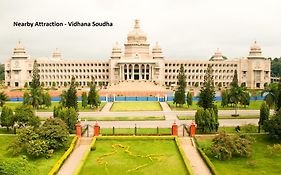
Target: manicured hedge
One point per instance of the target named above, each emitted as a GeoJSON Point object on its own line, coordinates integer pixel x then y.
{"type": "Point", "coordinates": [206, 159]}
{"type": "Point", "coordinates": [59, 163]}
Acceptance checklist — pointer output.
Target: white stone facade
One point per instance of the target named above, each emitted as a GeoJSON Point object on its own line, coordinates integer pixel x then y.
{"type": "Point", "coordinates": [137, 63]}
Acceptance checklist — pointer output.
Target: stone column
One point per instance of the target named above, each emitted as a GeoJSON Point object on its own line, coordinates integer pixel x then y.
{"type": "Point", "coordinates": [127, 72]}
{"type": "Point", "coordinates": [120, 73]}
{"type": "Point", "coordinates": [140, 71]}
{"type": "Point", "coordinates": [145, 71]}
{"type": "Point", "coordinates": [133, 71]}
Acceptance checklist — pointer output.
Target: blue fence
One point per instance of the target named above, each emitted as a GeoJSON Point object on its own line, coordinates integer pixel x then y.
{"type": "Point", "coordinates": [123, 98]}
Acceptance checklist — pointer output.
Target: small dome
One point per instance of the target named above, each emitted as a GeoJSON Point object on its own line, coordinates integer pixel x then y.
{"type": "Point", "coordinates": [217, 55]}
{"type": "Point", "coordinates": [116, 51]}
{"type": "Point", "coordinates": [19, 49]}
{"type": "Point", "coordinates": [255, 50]}
{"type": "Point", "coordinates": [157, 51]}
{"type": "Point", "coordinates": [136, 35]}
{"type": "Point", "coordinates": [57, 54]}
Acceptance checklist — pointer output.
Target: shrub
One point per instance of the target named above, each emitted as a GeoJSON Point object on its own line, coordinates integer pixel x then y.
{"type": "Point", "coordinates": [226, 146]}
{"type": "Point", "coordinates": [37, 148]}
{"type": "Point", "coordinates": [15, 166]}
{"type": "Point", "coordinates": [274, 149]}
{"type": "Point", "coordinates": [249, 128]}
{"type": "Point", "coordinates": [273, 126]}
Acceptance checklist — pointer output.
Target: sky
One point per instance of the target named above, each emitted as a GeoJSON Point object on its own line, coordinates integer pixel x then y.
{"type": "Point", "coordinates": [185, 29]}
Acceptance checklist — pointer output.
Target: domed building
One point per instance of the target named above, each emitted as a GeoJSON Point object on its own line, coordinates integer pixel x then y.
{"type": "Point", "coordinates": [138, 63]}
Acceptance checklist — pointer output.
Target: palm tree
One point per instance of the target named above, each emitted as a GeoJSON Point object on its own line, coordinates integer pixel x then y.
{"type": "Point", "coordinates": [271, 92]}
{"type": "Point", "coordinates": [237, 95]}
{"type": "Point", "coordinates": [3, 98]}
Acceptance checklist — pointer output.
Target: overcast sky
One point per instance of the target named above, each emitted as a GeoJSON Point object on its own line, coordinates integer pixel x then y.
{"type": "Point", "coordinates": [185, 29]}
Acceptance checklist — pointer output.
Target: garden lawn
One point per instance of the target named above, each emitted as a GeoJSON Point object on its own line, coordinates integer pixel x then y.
{"type": "Point", "coordinates": [166, 160]}
{"type": "Point", "coordinates": [135, 106]}
{"type": "Point", "coordinates": [261, 162]}
{"type": "Point", "coordinates": [13, 105]}
{"type": "Point", "coordinates": [133, 118]}
{"type": "Point", "coordinates": [42, 166]}
{"type": "Point", "coordinates": [253, 105]}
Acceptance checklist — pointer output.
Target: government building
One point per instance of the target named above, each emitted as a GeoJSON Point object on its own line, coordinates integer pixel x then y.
{"type": "Point", "coordinates": [136, 63]}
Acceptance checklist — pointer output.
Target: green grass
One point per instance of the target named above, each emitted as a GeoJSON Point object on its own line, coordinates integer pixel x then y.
{"type": "Point", "coordinates": [220, 117]}
{"type": "Point", "coordinates": [5, 131]}
{"type": "Point", "coordinates": [167, 159]}
{"type": "Point", "coordinates": [259, 163]}
{"type": "Point", "coordinates": [253, 105]}
{"type": "Point", "coordinates": [133, 118]}
{"type": "Point", "coordinates": [135, 106]}
{"type": "Point", "coordinates": [13, 105]}
{"type": "Point", "coordinates": [131, 131]}
{"type": "Point", "coordinates": [41, 166]}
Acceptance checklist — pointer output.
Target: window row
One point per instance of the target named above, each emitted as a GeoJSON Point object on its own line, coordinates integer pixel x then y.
{"type": "Point", "coordinates": [201, 65]}
{"type": "Point", "coordinates": [76, 76]}
{"type": "Point", "coordinates": [201, 77]}
{"type": "Point", "coordinates": [197, 71]}
{"type": "Point", "coordinates": [72, 70]}
{"type": "Point", "coordinates": [72, 64]}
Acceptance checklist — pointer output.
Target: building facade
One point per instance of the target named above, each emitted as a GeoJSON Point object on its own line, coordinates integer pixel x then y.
{"type": "Point", "coordinates": [138, 63]}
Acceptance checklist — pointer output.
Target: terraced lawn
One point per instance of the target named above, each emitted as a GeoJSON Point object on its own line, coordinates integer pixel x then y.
{"type": "Point", "coordinates": [135, 106]}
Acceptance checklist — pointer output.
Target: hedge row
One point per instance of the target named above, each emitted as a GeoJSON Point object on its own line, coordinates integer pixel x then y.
{"type": "Point", "coordinates": [206, 159]}
{"type": "Point", "coordinates": [59, 163]}
{"type": "Point", "coordinates": [136, 137]}
{"type": "Point", "coordinates": [82, 162]}
{"type": "Point", "coordinates": [184, 158]}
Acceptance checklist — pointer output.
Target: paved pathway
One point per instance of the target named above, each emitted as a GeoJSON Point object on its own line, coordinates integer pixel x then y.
{"type": "Point", "coordinates": [107, 107]}
{"type": "Point", "coordinates": [75, 157]}
{"type": "Point", "coordinates": [197, 163]}
{"type": "Point", "coordinates": [169, 115]}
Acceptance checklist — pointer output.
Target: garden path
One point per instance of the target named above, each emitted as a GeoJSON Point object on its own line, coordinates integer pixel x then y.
{"type": "Point", "coordinates": [75, 157]}
{"type": "Point", "coordinates": [197, 163]}
{"type": "Point", "coordinates": [168, 112]}
{"type": "Point", "coordinates": [107, 107]}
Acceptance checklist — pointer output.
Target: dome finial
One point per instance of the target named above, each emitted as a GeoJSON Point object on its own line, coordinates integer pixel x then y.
{"type": "Point", "coordinates": [137, 23]}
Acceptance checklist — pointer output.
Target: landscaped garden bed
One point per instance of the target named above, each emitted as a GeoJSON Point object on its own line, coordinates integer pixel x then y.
{"type": "Point", "coordinates": [134, 155]}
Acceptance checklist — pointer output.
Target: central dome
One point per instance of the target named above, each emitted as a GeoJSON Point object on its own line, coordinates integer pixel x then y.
{"type": "Point", "coordinates": [136, 35]}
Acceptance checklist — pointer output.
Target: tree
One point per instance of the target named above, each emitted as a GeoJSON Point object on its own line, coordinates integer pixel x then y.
{"type": "Point", "coordinates": [71, 96]}
{"type": "Point", "coordinates": [36, 94]}
{"type": "Point", "coordinates": [264, 114]}
{"type": "Point", "coordinates": [24, 115]}
{"type": "Point", "coordinates": [224, 98]}
{"type": "Point", "coordinates": [2, 71]}
{"type": "Point", "coordinates": [68, 115]}
{"type": "Point", "coordinates": [189, 99]}
{"type": "Point", "coordinates": [26, 98]}
{"type": "Point", "coordinates": [84, 100]}
{"type": "Point", "coordinates": [226, 146]}
{"type": "Point", "coordinates": [93, 97]}
{"type": "Point", "coordinates": [26, 85]}
{"type": "Point", "coordinates": [3, 98]}
{"type": "Point", "coordinates": [207, 92]}
{"type": "Point", "coordinates": [271, 92]}
{"type": "Point", "coordinates": [47, 100]}
{"type": "Point", "coordinates": [63, 97]}
{"type": "Point", "coordinates": [206, 120]}
{"type": "Point", "coordinates": [238, 94]}
{"type": "Point", "coordinates": [180, 92]}
{"type": "Point", "coordinates": [7, 117]}
{"type": "Point", "coordinates": [273, 126]}
{"type": "Point", "coordinates": [55, 132]}
{"type": "Point", "coordinates": [64, 84]}
{"type": "Point", "coordinates": [54, 84]}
